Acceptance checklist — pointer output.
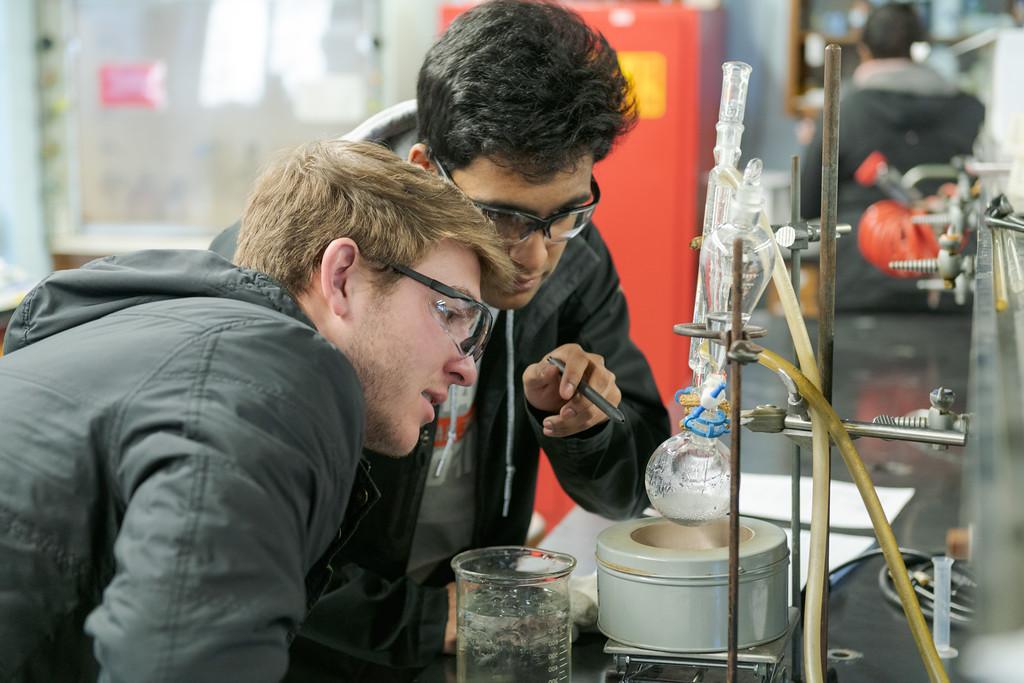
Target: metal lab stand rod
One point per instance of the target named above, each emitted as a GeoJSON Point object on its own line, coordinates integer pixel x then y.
{"type": "Point", "coordinates": [829, 193]}
{"type": "Point", "coordinates": [740, 351]}
{"type": "Point", "coordinates": [794, 494]}
{"type": "Point", "coordinates": [827, 268]}
{"type": "Point", "coordinates": [736, 334]}
{"type": "Point", "coordinates": [938, 437]}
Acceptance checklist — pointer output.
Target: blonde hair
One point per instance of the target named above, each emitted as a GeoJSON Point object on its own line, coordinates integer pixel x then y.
{"type": "Point", "coordinates": [396, 212]}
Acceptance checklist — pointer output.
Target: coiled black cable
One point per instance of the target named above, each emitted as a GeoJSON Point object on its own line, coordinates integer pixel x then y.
{"type": "Point", "coordinates": [961, 607]}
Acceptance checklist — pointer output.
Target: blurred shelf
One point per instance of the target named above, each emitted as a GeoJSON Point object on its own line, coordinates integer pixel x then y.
{"type": "Point", "coordinates": [73, 251]}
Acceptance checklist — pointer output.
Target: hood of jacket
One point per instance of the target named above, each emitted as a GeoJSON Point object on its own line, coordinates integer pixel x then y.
{"type": "Point", "coordinates": [70, 298]}
{"type": "Point", "coordinates": [394, 127]}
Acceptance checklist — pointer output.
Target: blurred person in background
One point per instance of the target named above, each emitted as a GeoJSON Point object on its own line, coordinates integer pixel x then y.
{"type": "Point", "coordinates": [912, 115]}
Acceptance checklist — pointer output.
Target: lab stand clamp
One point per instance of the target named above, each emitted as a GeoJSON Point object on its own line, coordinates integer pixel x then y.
{"type": "Point", "coordinates": [938, 425]}
{"type": "Point", "coordinates": [1007, 274]}
{"type": "Point", "coordinates": [741, 350]}
{"type": "Point", "coordinates": [797, 235]}
{"type": "Point", "coordinates": [999, 214]}
{"type": "Point", "coordinates": [954, 270]}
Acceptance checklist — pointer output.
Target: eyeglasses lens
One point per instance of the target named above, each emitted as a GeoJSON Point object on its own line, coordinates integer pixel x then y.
{"type": "Point", "coordinates": [516, 227]}
{"type": "Point", "coordinates": [467, 324]}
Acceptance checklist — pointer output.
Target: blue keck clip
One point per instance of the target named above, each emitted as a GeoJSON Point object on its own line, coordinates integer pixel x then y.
{"type": "Point", "coordinates": [702, 422]}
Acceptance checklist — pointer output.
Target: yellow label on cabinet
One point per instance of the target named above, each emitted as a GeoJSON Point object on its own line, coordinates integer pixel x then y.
{"type": "Point", "coordinates": [647, 75]}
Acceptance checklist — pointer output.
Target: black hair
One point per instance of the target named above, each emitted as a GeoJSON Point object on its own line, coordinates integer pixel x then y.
{"type": "Point", "coordinates": [891, 29]}
{"type": "Point", "coordinates": [524, 83]}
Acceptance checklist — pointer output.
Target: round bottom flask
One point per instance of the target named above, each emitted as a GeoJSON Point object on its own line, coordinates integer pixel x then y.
{"type": "Point", "coordinates": [688, 479]}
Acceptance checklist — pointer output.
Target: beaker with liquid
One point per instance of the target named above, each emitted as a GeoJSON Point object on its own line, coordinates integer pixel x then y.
{"type": "Point", "coordinates": [513, 615]}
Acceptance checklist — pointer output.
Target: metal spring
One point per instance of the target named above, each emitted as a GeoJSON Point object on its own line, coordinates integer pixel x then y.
{"type": "Point", "coordinates": [928, 265]}
{"type": "Point", "coordinates": [920, 422]}
{"type": "Point", "coordinates": [932, 219]}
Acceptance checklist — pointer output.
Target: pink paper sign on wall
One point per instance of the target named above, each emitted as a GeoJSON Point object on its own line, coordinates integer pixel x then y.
{"type": "Point", "coordinates": [133, 85]}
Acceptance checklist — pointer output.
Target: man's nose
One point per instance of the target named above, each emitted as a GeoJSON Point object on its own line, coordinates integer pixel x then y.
{"type": "Point", "coordinates": [531, 253]}
{"type": "Point", "coordinates": [462, 370]}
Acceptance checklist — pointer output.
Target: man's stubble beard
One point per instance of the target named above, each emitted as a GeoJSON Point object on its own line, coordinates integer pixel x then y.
{"type": "Point", "coordinates": [378, 376]}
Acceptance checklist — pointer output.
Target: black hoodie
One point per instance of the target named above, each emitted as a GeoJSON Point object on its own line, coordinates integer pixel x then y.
{"type": "Point", "coordinates": [177, 448]}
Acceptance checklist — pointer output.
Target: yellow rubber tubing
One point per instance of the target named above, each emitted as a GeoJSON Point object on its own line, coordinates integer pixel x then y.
{"type": "Point", "coordinates": [883, 532]}
{"type": "Point", "coordinates": [812, 650]}
{"type": "Point", "coordinates": [820, 464]}
{"type": "Point", "coordinates": [791, 309]}
{"type": "Point", "coordinates": [814, 604]}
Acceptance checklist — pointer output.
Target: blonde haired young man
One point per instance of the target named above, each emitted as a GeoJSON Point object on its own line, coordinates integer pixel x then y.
{"type": "Point", "coordinates": [181, 436]}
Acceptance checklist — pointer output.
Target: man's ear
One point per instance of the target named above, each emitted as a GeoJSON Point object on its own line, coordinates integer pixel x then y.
{"type": "Point", "coordinates": [419, 155]}
{"type": "Point", "coordinates": [337, 272]}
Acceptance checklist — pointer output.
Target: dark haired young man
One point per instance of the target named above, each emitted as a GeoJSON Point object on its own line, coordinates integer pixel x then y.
{"type": "Point", "coordinates": [909, 113]}
{"type": "Point", "coordinates": [515, 104]}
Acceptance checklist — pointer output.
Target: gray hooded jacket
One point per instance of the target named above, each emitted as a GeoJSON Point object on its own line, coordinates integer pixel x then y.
{"type": "Point", "coordinates": [177, 448]}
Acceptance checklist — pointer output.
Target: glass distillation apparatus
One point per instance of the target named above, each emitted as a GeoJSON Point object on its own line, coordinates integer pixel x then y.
{"type": "Point", "coordinates": [722, 181]}
{"type": "Point", "coordinates": [687, 478]}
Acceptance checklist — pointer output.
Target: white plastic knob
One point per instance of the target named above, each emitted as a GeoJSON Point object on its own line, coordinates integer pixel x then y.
{"type": "Point", "coordinates": [785, 236]}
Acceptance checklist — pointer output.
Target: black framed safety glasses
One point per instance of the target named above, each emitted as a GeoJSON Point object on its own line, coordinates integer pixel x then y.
{"type": "Point", "coordinates": [516, 226]}
{"type": "Point", "coordinates": [467, 322]}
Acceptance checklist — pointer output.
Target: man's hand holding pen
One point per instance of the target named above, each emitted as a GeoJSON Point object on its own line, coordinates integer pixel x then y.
{"type": "Point", "coordinates": [563, 392]}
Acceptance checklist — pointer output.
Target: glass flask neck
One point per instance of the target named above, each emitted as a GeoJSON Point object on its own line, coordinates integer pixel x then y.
{"type": "Point", "coordinates": [705, 443]}
{"type": "Point", "coordinates": [747, 202]}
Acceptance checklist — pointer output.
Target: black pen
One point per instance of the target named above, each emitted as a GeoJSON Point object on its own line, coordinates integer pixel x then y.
{"type": "Point", "coordinates": [588, 391]}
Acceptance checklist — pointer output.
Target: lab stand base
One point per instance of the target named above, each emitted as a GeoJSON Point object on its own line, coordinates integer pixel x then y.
{"type": "Point", "coordinates": [767, 663]}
